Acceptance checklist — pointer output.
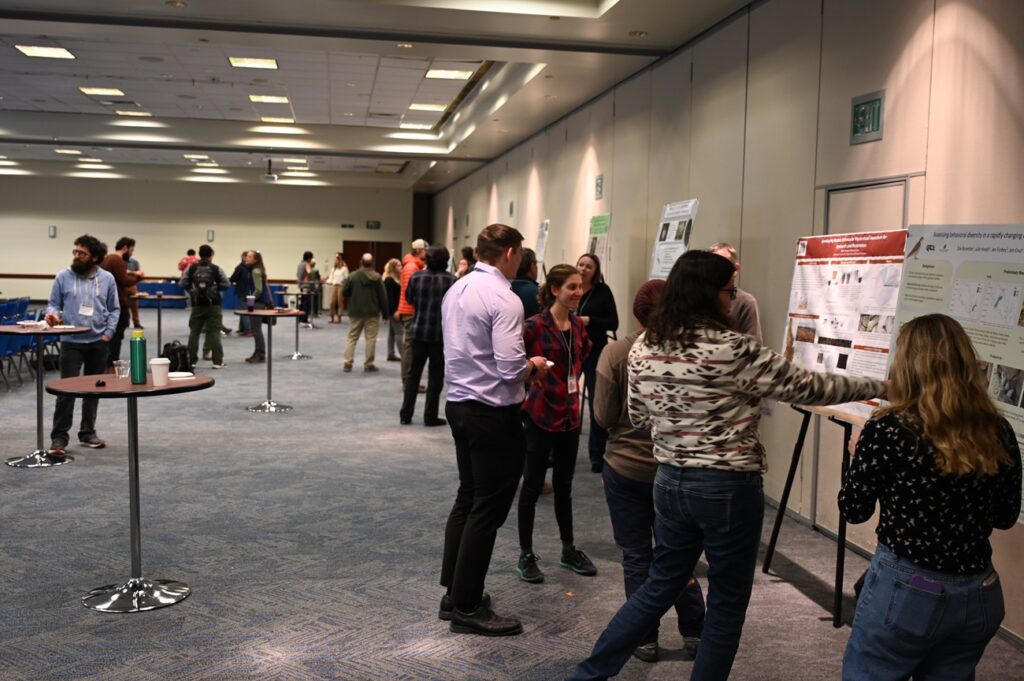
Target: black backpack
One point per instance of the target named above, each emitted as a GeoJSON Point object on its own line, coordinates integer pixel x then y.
{"type": "Point", "coordinates": [204, 285]}
{"type": "Point", "coordinates": [178, 354]}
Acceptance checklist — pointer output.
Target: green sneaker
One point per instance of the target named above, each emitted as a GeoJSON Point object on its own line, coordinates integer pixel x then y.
{"type": "Point", "coordinates": [528, 570]}
{"type": "Point", "coordinates": [577, 561]}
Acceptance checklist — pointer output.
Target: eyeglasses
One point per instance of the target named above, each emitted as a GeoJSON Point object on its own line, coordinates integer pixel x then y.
{"type": "Point", "coordinates": [80, 251]}
{"type": "Point", "coordinates": [731, 292]}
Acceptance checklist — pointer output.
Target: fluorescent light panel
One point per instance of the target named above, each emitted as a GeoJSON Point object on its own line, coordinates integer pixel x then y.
{"type": "Point", "coordinates": [94, 166]}
{"type": "Point", "coordinates": [293, 160]}
{"type": "Point", "coordinates": [252, 63]}
{"type": "Point", "coordinates": [90, 160]}
{"type": "Point", "coordinates": [449, 74]}
{"type": "Point", "coordinates": [427, 107]}
{"type": "Point", "coordinates": [44, 52]}
{"type": "Point", "coordinates": [101, 91]}
{"type": "Point", "coordinates": [8, 163]}
{"type": "Point", "coordinates": [298, 173]}
{"type": "Point", "coordinates": [133, 113]}
{"type": "Point", "coordinates": [196, 157]}
{"type": "Point", "coordinates": [416, 126]}
{"type": "Point", "coordinates": [71, 152]}
{"type": "Point", "coordinates": [268, 99]}
{"type": "Point", "coordinates": [276, 119]}
{"type": "Point", "coordinates": [206, 164]}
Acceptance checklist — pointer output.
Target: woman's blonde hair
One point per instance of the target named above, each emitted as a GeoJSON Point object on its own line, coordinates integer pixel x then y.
{"type": "Point", "coordinates": [938, 388]}
{"type": "Point", "coordinates": [393, 269]}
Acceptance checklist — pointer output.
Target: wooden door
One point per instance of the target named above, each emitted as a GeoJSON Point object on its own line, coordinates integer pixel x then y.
{"type": "Point", "coordinates": [382, 251]}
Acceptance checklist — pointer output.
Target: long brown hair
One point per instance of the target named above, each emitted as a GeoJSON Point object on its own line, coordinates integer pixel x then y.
{"type": "Point", "coordinates": [556, 276]}
{"type": "Point", "coordinates": [938, 388]}
{"type": "Point", "coordinates": [690, 300]}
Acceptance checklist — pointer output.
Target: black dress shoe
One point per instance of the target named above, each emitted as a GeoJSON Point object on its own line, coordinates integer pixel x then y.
{"type": "Point", "coordinates": [485, 622]}
{"type": "Point", "coordinates": [445, 611]}
{"type": "Point", "coordinates": [433, 423]}
{"type": "Point", "coordinates": [404, 421]}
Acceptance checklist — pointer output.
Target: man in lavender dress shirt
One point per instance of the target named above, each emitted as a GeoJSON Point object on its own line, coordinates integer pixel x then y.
{"type": "Point", "coordinates": [486, 368]}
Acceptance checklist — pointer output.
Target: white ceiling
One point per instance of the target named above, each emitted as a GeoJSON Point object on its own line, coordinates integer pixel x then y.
{"type": "Point", "coordinates": [349, 68]}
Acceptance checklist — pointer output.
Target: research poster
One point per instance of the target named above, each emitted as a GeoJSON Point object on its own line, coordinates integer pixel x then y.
{"type": "Point", "coordinates": [597, 241]}
{"type": "Point", "coordinates": [975, 274]}
{"type": "Point", "coordinates": [842, 305]}
{"type": "Point", "coordinates": [542, 242]}
{"type": "Point", "coordinates": [672, 237]}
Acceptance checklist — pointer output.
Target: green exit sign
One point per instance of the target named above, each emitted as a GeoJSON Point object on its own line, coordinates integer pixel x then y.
{"type": "Point", "coordinates": [867, 117]}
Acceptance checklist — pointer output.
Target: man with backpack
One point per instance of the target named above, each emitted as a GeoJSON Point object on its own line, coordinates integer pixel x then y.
{"type": "Point", "coordinates": [203, 282]}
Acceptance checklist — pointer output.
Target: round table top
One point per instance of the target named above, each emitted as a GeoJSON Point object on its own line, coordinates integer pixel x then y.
{"type": "Point", "coordinates": [85, 386]}
{"type": "Point", "coordinates": [159, 296]}
{"type": "Point", "coordinates": [276, 312]}
{"type": "Point", "coordinates": [60, 330]}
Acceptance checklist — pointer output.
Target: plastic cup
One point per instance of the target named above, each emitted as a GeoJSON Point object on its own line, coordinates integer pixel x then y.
{"type": "Point", "coordinates": [122, 368]}
{"type": "Point", "coordinates": [161, 367]}
{"type": "Point", "coordinates": [250, 303]}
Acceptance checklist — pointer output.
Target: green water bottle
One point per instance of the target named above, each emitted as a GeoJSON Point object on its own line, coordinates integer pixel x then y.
{"type": "Point", "coordinates": [137, 347]}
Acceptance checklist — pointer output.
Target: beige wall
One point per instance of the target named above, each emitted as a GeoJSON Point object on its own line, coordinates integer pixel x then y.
{"type": "Point", "coordinates": [166, 219]}
{"type": "Point", "coordinates": [753, 118]}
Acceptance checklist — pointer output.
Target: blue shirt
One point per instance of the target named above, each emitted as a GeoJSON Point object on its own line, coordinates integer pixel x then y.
{"type": "Point", "coordinates": [97, 290]}
{"type": "Point", "coordinates": [484, 352]}
{"type": "Point", "coordinates": [527, 289]}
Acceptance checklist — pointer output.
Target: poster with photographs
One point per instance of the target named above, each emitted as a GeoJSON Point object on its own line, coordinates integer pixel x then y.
{"type": "Point", "coordinates": [842, 305]}
{"type": "Point", "coordinates": [542, 242]}
{"type": "Point", "coordinates": [672, 238]}
{"type": "Point", "coordinates": [975, 274]}
{"type": "Point", "coordinates": [597, 239]}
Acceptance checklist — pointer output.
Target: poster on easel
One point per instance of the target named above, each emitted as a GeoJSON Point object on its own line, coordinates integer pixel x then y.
{"type": "Point", "coordinates": [597, 239]}
{"type": "Point", "coordinates": [974, 274]}
{"type": "Point", "coordinates": [542, 242]}
{"type": "Point", "coordinates": [842, 306]}
{"type": "Point", "coordinates": [672, 237]}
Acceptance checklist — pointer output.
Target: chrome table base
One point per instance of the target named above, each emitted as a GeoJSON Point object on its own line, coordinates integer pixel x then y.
{"type": "Point", "coordinates": [269, 407]}
{"type": "Point", "coordinates": [38, 459]}
{"type": "Point", "coordinates": [136, 595]}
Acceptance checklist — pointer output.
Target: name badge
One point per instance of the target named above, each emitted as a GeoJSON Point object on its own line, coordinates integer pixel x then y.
{"type": "Point", "coordinates": [85, 310]}
{"type": "Point", "coordinates": [574, 385]}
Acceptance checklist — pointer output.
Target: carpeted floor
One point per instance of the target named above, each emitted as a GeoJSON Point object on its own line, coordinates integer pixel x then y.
{"type": "Point", "coordinates": [312, 543]}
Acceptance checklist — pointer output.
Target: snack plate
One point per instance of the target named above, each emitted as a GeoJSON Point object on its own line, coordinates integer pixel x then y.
{"type": "Point", "coordinates": [180, 374]}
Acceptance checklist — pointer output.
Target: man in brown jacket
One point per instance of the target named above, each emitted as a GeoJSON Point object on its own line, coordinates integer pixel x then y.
{"type": "Point", "coordinates": [117, 264]}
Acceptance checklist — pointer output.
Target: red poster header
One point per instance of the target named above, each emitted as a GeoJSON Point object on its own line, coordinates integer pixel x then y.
{"type": "Point", "coordinates": [854, 245]}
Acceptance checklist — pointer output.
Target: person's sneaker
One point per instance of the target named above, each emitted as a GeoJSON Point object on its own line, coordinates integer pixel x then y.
{"type": "Point", "coordinates": [225, 332]}
{"type": "Point", "coordinates": [219, 366]}
{"type": "Point", "coordinates": [370, 369]}
{"type": "Point", "coordinates": [93, 442]}
{"type": "Point", "coordinates": [347, 368]}
{"type": "Point", "coordinates": [577, 561]}
{"type": "Point", "coordinates": [485, 622]}
{"type": "Point", "coordinates": [207, 354]}
{"type": "Point", "coordinates": [690, 646]}
{"type": "Point", "coordinates": [527, 568]}
{"type": "Point", "coordinates": [256, 359]}
{"type": "Point", "coordinates": [648, 652]}
{"type": "Point", "coordinates": [57, 449]}
{"type": "Point", "coordinates": [445, 611]}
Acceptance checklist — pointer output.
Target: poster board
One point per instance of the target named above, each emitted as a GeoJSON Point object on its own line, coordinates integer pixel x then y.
{"type": "Point", "coordinates": [842, 306]}
{"type": "Point", "coordinates": [542, 243]}
{"type": "Point", "coordinates": [975, 274]}
{"type": "Point", "coordinates": [672, 236]}
{"type": "Point", "coordinates": [597, 238]}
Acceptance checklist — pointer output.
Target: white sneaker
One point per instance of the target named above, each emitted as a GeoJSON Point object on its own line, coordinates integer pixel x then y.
{"type": "Point", "coordinates": [219, 366]}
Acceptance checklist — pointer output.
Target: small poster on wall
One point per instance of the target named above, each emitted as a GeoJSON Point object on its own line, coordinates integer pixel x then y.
{"type": "Point", "coordinates": [842, 305]}
{"type": "Point", "coordinates": [672, 237]}
{"type": "Point", "coordinates": [542, 242]}
{"type": "Point", "coordinates": [973, 273]}
{"type": "Point", "coordinates": [597, 242]}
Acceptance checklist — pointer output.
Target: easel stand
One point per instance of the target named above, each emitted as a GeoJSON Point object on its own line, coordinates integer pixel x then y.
{"type": "Point", "coordinates": [837, 602]}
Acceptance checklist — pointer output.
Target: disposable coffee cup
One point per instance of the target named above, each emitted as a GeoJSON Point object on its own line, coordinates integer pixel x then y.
{"type": "Point", "coordinates": [160, 367]}
{"type": "Point", "coordinates": [250, 303]}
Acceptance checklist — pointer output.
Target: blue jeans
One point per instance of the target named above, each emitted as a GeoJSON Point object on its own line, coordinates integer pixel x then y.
{"type": "Point", "coordinates": [903, 628]}
{"type": "Point", "coordinates": [719, 513]}
{"type": "Point", "coordinates": [631, 507]}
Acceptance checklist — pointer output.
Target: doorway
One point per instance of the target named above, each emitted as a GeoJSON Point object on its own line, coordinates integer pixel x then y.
{"type": "Point", "coordinates": [382, 251]}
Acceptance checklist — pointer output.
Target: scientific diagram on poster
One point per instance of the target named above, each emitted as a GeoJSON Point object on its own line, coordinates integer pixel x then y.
{"type": "Point", "coordinates": [842, 305]}
{"type": "Point", "coordinates": [542, 242]}
{"type": "Point", "coordinates": [672, 237]}
{"type": "Point", "coordinates": [975, 274]}
{"type": "Point", "coordinates": [597, 240]}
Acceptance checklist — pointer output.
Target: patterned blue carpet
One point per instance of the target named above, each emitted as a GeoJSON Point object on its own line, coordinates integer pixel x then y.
{"type": "Point", "coordinates": [312, 543]}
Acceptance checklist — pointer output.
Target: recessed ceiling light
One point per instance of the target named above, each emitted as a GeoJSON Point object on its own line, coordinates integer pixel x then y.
{"type": "Point", "coordinates": [276, 119]}
{"type": "Point", "coordinates": [268, 99]}
{"type": "Point", "coordinates": [348, 113]}
{"type": "Point", "coordinates": [449, 74]}
{"type": "Point", "coordinates": [97, 176]}
{"type": "Point", "coordinates": [101, 91]}
{"type": "Point", "coordinates": [404, 46]}
{"type": "Point", "coordinates": [94, 166]}
{"type": "Point", "coordinates": [2, 157]}
{"type": "Point", "coordinates": [293, 160]}
{"type": "Point", "coordinates": [210, 171]}
{"type": "Point", "coordinates": [206, 164]}
{"type": "Point", "coordinates": [299, 173]}
{"type": "Point", "coordinates": [177, 4]}
{"type": "Point", "coordinates": [637, 34]}
{"type": "Point", "coordinates": [44, 52]}
{"type": "Point", "coordinates": [299, 168]}
{"type": "Point", "coordinates": [416, 126]}
{"type": "Point", "coordinates": [142, 114]}
{"type": "Point", "coordinates": [196, 157]}
{"type": "Point", "coordinates": [72, 152]}
{"type": "Point", "coordinates": [252, 63]}
{"type": "Point", "coordinates": [8, 163]}
{"type": "Point", "coordinates": [90, 160]}
{"type": "Point", "coordinates": [427, 107]}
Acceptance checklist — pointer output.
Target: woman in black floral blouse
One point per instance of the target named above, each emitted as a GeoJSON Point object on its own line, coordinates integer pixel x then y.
{"type": "Point", "coordinates": [945, 468]}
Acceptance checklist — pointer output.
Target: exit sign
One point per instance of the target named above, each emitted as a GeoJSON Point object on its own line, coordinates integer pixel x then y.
{"type": "Point", "coordinates": [867, 117]}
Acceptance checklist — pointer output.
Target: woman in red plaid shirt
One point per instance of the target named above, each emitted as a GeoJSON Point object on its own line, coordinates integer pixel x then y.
{"type": "Point", "coordinates": [551, 416]}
